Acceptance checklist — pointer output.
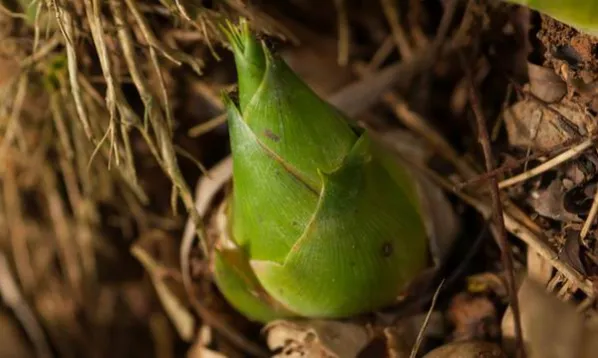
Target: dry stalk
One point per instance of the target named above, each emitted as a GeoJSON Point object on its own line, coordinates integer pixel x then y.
{"type": "Point", "coordinates": [344, 35]}
{"type": "Point", "coordinates": [17, 232]}
{"type": "Point", "coordinates": [391, 12]}
{"type": "Point", "coordinates": [497, 212]}
{"type": "Point", "coordinates": [177, 57]}
{"type": "Point", "coordinates": [65, 22]}
{"type": "Point", "coordinates": [14, 130]}
{"type": "Point", "coordinates": [62, 228]}
{"type": "Point", "coordinates": [12, 297]}
{"type": "Point", "coordinates": [162, 148]}
{"type": "Point", "coordinates": [61, 127]}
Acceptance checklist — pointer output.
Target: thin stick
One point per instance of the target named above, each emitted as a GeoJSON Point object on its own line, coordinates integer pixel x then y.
{"type": "Point", "coordinates": [381, 54]}
{"type": "Point", "coordinates": [13, 209]}
{"type": "Point", "coordinates": [16, 15]}
{"type": "Point", "coordinates": [42, 52]}
{"type": "Point", "coordinates": [13, 298]}
{"type": "Point", "coordinates": [516, 163]}
{"type": "Point", "coordinates": [177, 57]}
{"type": "Point", "coordinates": [559, 159]}
{"type": "Point", "coordinates": [390, 8]}
{"type": "Point", "coordinates": [497, 211]}
{"type": "Point", "coordinates": [207, 126]}
{"type": "Point", "coordinates": [420, 334]}
{"type": "Point", "coordinates": [343, 32]}
{"type": "Point", "coordinates": [66, 26]}
{"type": "Point", "coordinates": [419, 125]}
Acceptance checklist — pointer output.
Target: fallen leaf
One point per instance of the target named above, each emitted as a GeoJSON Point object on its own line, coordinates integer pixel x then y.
{"type": "Point", "coordinates": [475, 349]}
{"type": "Point", "coordinates": [545, 83]}
{"type": "Point", "coordinates": [317, 338]}
{"type": "Point", "coordinates": [551, 328]}
{"type": "Point", "coordinates": [532, 125]}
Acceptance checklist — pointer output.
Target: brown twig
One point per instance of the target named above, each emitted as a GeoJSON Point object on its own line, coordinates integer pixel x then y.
{"type": "Point", "coordinates": [17, 228]}
{"type": "Point", "coordinates": [414, 122]}
{"type": "Point", "coordinates": [559, 159]}
{"type": "Point", "coordinates": [16, 15]}
{"type": "Point", "coordinates": [65, 22]}
{"type": "Point", "coordinates": [390, 8]}
{"type": "Point", "coordinates": [420, 334]}
{"type": "Point", "coordinates": [175, 56]}
{"type": "Point", "coordinates": [13, 298]}
{"type": "Point", "coordinates": [343, 32]}
{"type": "Point", "coordinates": [510, 166]}
{"type": "Point", "coordinates": [207, 126]}
{"type": "Point", "coordinates": [516, 222]}
{"type": "Point", "coordinates": [497, 211]}
{"type": "Point", "coordinates": [381, 53]}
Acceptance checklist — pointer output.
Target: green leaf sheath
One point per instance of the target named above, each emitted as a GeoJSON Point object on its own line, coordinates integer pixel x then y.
{"type": "Point", "coordinates": [235, 279]}
{"type": "Point", "coordinates": [250, 61]}
{"type": "Point", "coordinates": [298, 125]}
{"type": "Point", "coordinates": [582, 15]}
{"type": "Point", "coordinates": [270, 207]}
{"type": "Point", "coordinates": [364, 243]}
{"type": "Point", "coordinates": [324, 222]}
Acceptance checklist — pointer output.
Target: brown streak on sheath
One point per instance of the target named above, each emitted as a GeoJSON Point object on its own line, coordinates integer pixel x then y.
{"type": "Point", "coordinates": [268, 133]}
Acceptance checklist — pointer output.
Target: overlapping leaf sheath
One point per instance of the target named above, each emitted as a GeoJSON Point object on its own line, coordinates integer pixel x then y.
{"type": "Point", "coordinates": [322, 222]}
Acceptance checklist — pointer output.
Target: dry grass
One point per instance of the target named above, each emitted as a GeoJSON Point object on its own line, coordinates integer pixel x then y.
{"type": "Point", "coordinates": [72, 141]}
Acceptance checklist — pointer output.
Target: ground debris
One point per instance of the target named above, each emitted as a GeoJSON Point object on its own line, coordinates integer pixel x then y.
{"type": "Point", "coordinates": [325, 339]}
{"type": "Point", "coordinates": [545, 83]}
{"type": "Point", "coordinates": [534, 125]}
{"type": "Point", "coordinates": [473, 349]}
{"type": "Point", "coordinates": [550, 202]}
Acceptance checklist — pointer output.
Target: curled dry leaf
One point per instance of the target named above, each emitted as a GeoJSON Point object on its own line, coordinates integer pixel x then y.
{"type": "Point", "coordinates": [317, 338]}
{"type": "Point", "coordinates": [550, 202]}
{"type": "Point", "coordinates": [545, 83]}
{"type": "Point", "coordinates": [474, 349]}
{"type": "Point", "coordinates": [532, 125]}
{"type": "Point", "coordinates": [551, 328]}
